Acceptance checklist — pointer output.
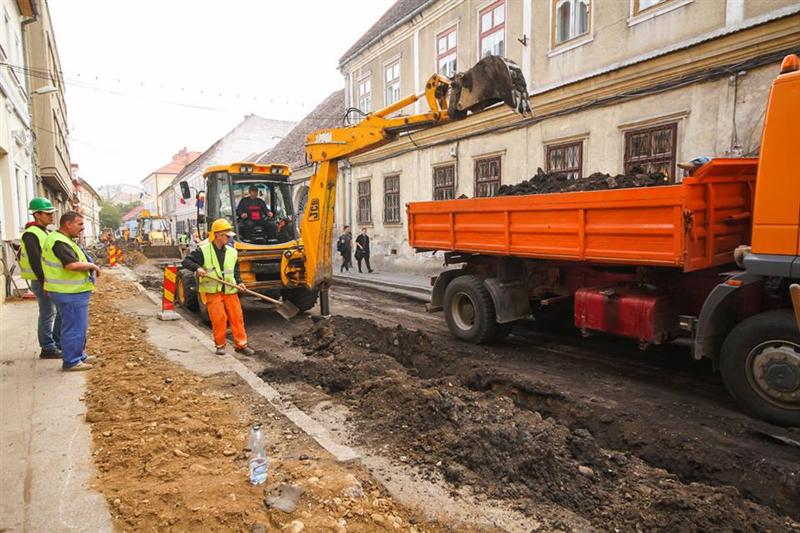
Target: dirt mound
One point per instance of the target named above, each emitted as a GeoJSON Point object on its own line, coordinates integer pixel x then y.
{"type": "Point", "coordinates": [453, 426]}
{"type": "Point", "coordinates": [549, 182]}
{"type": "Point", "coordinates": [134, 257]}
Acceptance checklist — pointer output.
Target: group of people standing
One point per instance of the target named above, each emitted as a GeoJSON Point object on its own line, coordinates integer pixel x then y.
{"type": "Point", "coordinates": [62, 276]}
{"type": "Point", "coordinates": [345, 247]}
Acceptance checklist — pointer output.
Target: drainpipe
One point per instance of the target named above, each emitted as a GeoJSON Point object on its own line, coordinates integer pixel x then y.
{"type": "Point", "coordinates": [29, 96]}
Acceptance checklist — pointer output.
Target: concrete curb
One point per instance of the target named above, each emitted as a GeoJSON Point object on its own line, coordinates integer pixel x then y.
{"type": "Point", "coordinates": [305, 423]}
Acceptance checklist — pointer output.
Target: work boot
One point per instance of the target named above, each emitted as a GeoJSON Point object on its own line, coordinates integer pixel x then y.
{"type": "Point", "coordinates": [220, 350]}
{"type": "Point", "coordinates": [55, 353]}
{"type": "Point", "coordinates": [89, 359]}
{"type": "Point", "coordinates": [246, 350]}
{"type": "Point", "coordinates": [79, 367]}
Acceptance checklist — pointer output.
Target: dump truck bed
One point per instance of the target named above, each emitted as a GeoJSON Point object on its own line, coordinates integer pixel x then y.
{"type": "Point", "coordinates": [692, 225]}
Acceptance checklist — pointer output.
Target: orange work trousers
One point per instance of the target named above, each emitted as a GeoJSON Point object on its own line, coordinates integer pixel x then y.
{"type": "Point", "coordinates": [224, 309]}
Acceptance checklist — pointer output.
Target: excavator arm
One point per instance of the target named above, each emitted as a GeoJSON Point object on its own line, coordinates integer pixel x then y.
{"type": "Point", "coordinates": [492, 80]}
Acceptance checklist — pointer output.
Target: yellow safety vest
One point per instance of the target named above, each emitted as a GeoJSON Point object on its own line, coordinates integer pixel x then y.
{"type": "Point", "coordinates": [211, 265]}
{"type": "Point", "coordinates": [24, 260]}
{"type": "Point", "coordinates": [56, 277]}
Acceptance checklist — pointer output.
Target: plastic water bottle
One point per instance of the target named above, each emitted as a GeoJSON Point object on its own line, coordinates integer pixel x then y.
{"type": "Point", "coordinates": [258, 455]}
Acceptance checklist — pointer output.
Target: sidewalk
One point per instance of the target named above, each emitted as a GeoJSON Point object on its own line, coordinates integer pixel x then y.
{"type": "Point", "coordinates": [409, 284]}
{"type": "Point", "coordinates": [46, 463]}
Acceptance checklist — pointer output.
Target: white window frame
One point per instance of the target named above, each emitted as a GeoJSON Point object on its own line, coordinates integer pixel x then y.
{"type": "Point", "coordinates": [359, 96]}
{"type": "Point", "coordinates": [575, 40]}
{"type": "Point", "coordinates": [386, 66]}
{"type": "Point", "coordinates": [483, 7]}
{"type": "Point", "coordinates": [445, 30]}
{"type": "Point", "coordinates": [649, 13]}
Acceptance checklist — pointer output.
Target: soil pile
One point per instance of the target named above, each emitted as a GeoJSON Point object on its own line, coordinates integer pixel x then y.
{"type": "Point", "coordinates": [549, 182]}
{"type": "Point", "coordinates": [169, 445]}
{"type": "Point", "coordinates": [458, 426]}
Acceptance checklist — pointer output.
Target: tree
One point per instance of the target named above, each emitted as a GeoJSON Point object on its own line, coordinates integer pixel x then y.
{"type": "Point", "coordinates": [110, 215]}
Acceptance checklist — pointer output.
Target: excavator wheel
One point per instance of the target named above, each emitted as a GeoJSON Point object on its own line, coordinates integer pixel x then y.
{"type": "Point", "coordinates": [186, 290]}
{"type": "Point", "coordinates": [303, 298]}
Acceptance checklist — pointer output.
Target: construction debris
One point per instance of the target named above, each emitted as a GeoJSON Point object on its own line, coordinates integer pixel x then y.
{"type": "Point", "coordinates": [550, 182]}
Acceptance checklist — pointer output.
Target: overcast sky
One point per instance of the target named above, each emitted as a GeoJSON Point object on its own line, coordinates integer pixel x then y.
{"type": "Point", "coordinates": [144, 79]}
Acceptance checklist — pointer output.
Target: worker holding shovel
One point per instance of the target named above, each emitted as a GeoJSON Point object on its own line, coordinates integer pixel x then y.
{"type": "Point", "coordinates": [218, 260]}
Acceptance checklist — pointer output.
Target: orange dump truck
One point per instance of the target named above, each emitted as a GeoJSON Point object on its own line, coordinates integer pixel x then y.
{"type": "Point", "coordinates": [708, 262]}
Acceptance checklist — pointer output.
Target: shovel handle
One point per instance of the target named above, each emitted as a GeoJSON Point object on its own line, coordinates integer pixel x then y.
{"type": "Point", "coordinates": [248, 291]}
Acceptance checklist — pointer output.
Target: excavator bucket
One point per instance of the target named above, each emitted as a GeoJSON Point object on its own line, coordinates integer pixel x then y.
{"type": "Point", "coordinates": [161, 252]}
{"type": "Point", "coordinates": [493, 79]}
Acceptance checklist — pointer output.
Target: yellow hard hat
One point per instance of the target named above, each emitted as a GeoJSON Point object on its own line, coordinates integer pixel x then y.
{"type": "Point", "coordinates": [222, 226]}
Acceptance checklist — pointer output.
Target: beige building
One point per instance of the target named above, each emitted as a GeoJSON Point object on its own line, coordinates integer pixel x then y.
{"type": "Point", "coordinates": [49, 112]}
{"type": "Point", "coordinates": [613, 83]}
{"type": "Point", "coordinates": [157, 181]}
{"type": "Point", "coordinates": [89, 205]}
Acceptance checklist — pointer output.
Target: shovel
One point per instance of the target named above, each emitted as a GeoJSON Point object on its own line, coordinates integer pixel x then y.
{"type": "Point", "coordinates": [286, 309]}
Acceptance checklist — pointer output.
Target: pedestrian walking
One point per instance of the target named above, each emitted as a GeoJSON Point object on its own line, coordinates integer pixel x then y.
{"type": "Point", "coordinates": [218, 259]}
{"type": "Point", "coordinates": [362, 250]}
{"type": "Point", "coordinates": [345, 247]}
{"type": "Point", "coordinates": [30, 262]}
{"type": "Point", "coordinates": [69, 279]}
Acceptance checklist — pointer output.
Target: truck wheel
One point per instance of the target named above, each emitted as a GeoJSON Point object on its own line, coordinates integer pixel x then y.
{"type": "Point", "coordinates": [469, 310]}
{"type": "Point", "coordinates": [186, 290]}
{"type": "Point", "coordinates": [760, 365]}
{"type": "Point", "coordinates": [303, 298]}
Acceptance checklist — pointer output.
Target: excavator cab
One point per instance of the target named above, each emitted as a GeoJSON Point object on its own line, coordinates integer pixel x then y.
{"type": "Point", "coordinates": [256, 199]}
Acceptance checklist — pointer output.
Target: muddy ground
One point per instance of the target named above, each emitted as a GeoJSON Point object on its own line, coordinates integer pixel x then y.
{"type": "Point", "coordinates": [170, 445]}
{"type": "Point", "coordinates": [577, 433]}
{"type": "Point", "coordinates": [550, 182]}
{"type": "Point", "coordinates": [493, 430]}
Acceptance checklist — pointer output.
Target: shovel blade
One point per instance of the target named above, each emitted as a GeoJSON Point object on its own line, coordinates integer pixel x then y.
{"type": "Point", "coordinates": [287, 310]}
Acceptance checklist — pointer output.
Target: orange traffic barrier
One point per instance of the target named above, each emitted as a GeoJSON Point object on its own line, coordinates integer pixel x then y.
{"type": "Point", "coordinates": [112, 256]}
{"type": "Point", "coordinates": [168, 294]}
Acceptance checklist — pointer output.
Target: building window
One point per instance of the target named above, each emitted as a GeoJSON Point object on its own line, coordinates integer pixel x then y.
{"type": "Point", "coordinates": [570, 19]}
{"type": "Point", "coordinates": [652, 149]}
{"type": "Point", "coordinates": [493, 29]}
{"type": "Point", "coordinates": [364, 202]}
{"type": "Point", "coordinates": [446, 46]}
{"type": "Point", "coordinates": [392, 79]}
{"type": "Point", "coordinates": [391, 199]}
{"type": "Point", "coordinates": [642, 5]}
{"type": "Point", "coordinates": [444, 182]}
{"type": "Point", "coordinates": [487, 176]}
{"type": "Point", "coordinates": [365, 94]}
{"type": "Point", "coordinates": [566, 158]}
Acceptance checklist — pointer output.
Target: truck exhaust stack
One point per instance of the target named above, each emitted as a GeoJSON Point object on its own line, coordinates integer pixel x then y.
{"type": "Point", "coordinates": [493, 79]}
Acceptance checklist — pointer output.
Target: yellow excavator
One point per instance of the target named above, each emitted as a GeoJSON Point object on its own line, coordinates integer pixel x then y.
{"type": "Point", "coordinates": [492, 80]}
{"type": "Point", "coordinates": [275, 259]}
{"type": "Point", "coordinates": [153, 237]}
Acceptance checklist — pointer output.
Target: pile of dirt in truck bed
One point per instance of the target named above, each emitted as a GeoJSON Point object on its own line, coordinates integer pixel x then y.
{"type": "Point", "coordinates": [549, 182]}
{"type": "Point", "coordinates": [456, 426]}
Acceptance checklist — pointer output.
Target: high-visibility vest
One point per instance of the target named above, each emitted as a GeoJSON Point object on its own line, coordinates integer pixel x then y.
{"type": "Point", "coordinates": [24, 260]}
{"type": "Point", "coordinates": [56, 277]}
{"type": "Point", "coordinates": [211, 265]}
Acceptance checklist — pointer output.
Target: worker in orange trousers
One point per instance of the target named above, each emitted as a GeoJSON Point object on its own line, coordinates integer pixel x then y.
{"type": "Point", "coordinates": [218, 259]}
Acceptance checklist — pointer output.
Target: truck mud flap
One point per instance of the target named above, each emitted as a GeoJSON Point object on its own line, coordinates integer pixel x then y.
{"type": "Point", "coordinates": [510, 299]}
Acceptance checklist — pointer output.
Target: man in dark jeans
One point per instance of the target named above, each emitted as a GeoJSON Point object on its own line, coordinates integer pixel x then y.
{"type": "Point", "coordinates": [362, 250]}
{"type": "Point", "coordinates": [345, 247]}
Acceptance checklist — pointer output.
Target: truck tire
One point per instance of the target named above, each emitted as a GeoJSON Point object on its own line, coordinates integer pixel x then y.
{"type": "Point", "coordinates": [186, 290]}
{"type": "Point", "coordinates": [469, 310]}
{"type": "Point", "coordinates": [303, 298]}
{"type": "Point", "coordinates": [760, 365]}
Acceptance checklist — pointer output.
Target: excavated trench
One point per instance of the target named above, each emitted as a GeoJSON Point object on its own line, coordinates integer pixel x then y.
{"type": "Point", "coordinates": [475, 423]}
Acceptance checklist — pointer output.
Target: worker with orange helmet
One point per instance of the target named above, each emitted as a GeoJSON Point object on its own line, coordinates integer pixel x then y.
{"type": "Point", "coordinates": [215, 258]}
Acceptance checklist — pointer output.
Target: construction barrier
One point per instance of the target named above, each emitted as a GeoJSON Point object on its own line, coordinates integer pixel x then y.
{"type": "Point", "coordinates": [112, 256]}
{"type": "Point", "coordinates": [120, 256]}
{"type": "Point", "coordinates": [168, 294]}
